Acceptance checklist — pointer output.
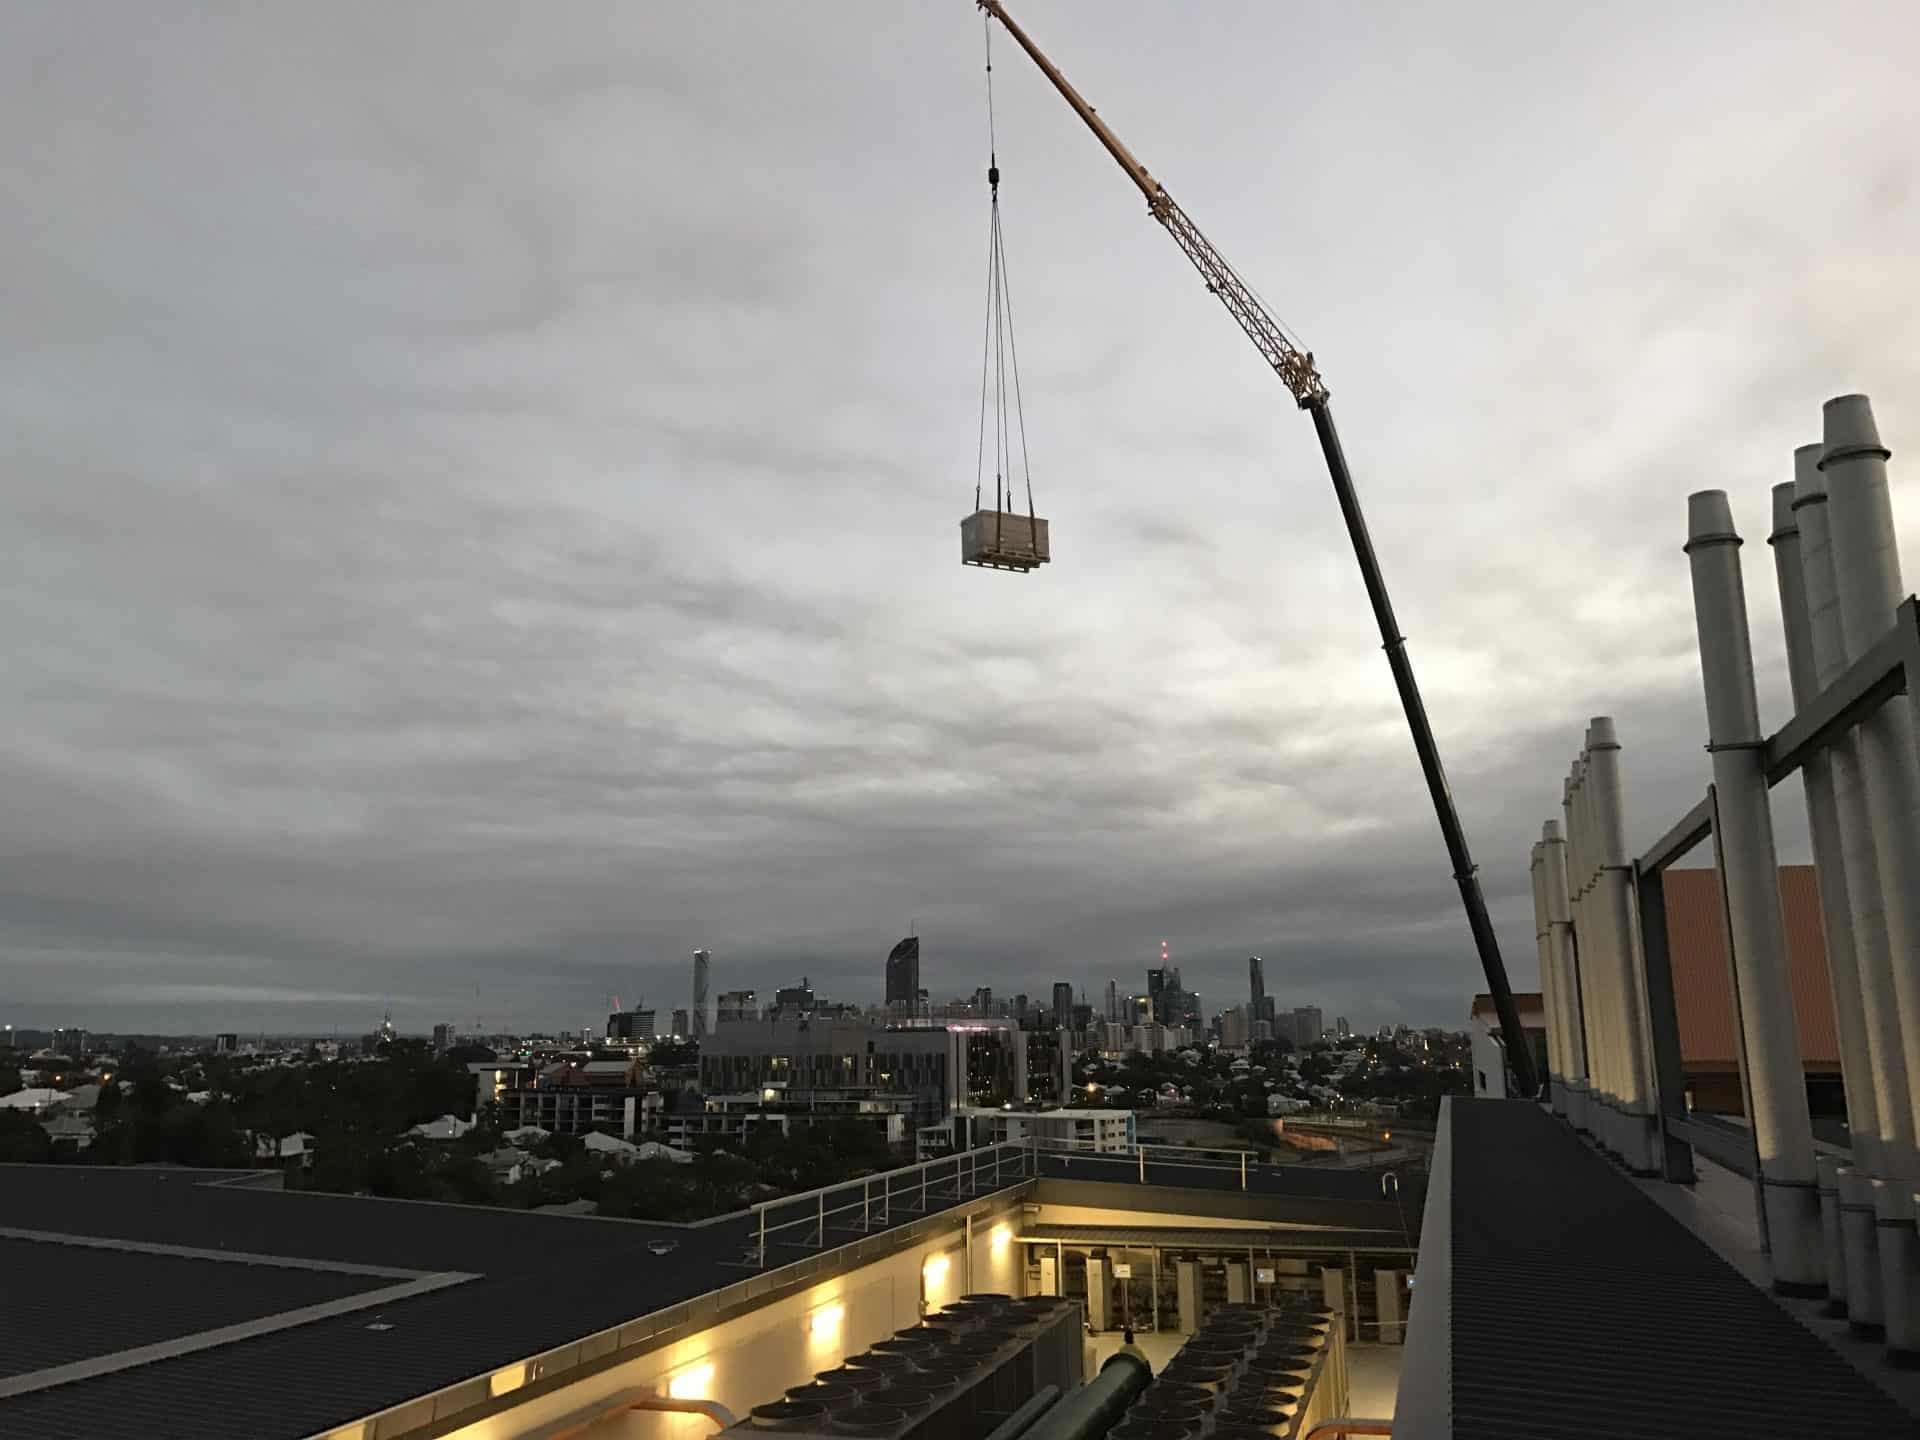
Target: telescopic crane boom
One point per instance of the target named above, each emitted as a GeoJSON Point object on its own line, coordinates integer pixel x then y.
{"type": "Point", "coordinates": [1296, 370]}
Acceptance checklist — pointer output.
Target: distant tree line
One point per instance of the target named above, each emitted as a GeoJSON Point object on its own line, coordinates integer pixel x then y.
{"type": "Point", "coordinates": [358, 1114]}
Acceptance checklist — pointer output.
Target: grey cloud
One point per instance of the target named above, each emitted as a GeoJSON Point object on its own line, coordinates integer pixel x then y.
{"type": "Point", "coordinates": [478, 486]}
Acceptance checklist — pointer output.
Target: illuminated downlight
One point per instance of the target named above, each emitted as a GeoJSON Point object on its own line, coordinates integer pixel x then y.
{"type": "Point", "coordinates": [824, 1324]}
{"type": "Point", "coordinates": [934, 1272]}
{"type": "Point", "coordinates": [1002, 1237]}
{"type": "Point", "coordinates": [505, 1382]}
{"type": "Point", "coordinates": [691, 1383]}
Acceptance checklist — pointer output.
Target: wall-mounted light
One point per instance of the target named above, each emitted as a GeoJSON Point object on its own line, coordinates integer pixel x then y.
{"type": "Point", "coordinates": [506, 1381]}
{"type": "Point", "coordinates": [824, 1324]}
{"type": "Point", "coordinates": [691, 1383]}
{"type": "Point", "coordinates": [1002, 1237]}
{"type": "Point", "coordinates": [934, 1272]}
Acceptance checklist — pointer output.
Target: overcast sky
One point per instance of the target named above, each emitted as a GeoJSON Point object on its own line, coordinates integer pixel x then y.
{"type": "Point", "coordinates": [480, 484]}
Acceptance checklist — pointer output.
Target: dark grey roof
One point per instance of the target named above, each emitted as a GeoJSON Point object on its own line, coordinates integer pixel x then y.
{"type": "Point", "coordinates": [539, 1281]}
{"type": "Point", "coordinates": [523, 1284]}
{"type": "Point", "coordinates": [1581, 1309]}
{"type": "Point", "coordinates": [66, 1303]}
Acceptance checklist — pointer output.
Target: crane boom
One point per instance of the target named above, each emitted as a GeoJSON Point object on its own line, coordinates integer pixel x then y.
{"type": "Point", "coordinates": [1296, 370]}
{"type": "Point", "coordinates": [1290, 362]}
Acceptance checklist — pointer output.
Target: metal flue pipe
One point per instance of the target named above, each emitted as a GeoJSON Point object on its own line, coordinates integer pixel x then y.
{"type": "Point", "coordinates": [1892, 1152]}
{"type": "Point", "coordinates": [1566, 967]}
{"type": "Point", "coordinates": [1866, 570]}
{"type": "Point", "coordinates": [1599, 946]}
{"type": "Point", "coordinates": [1556, 1071]}
{"type": "Point", "coordinates": [1553, 986]}
{"type": "Point", "coordinates": [1593, 954]}
{"type": "Point", "coordinates": [1823, 815]}
{"type": "Point", "coordinates": [1841, 1268]}
{"type": "Point", "coordinates": [1597, 1033]}
{"type": "Point", "coordinates": [1852, 1249]}
{"type": "Point", "coordinates": [1640, 1140]}
{"type": "Point", "coordinates": [1593, 996]}
{"type": "Point", "coordinates": [1783, 1131]}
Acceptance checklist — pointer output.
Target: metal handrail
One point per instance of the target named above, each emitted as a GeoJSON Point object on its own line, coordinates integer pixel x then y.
{"type": "Point", "coordinates": [1242, 1160]}
{"type": "Point", "coordinates": [1001, 1163]}
{"type": "Point", "coordinates": [1157, 1154]}
{"type": "Point", "coordinates": [964, 1168]}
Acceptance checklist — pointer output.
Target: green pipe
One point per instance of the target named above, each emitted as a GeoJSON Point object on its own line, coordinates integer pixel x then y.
{"type": "Point", "coordinates": [1092, 1410]}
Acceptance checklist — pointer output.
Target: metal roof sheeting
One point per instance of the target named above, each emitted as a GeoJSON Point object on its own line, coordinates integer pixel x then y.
{"type": "Point", "coordinates": [1581, 1310]}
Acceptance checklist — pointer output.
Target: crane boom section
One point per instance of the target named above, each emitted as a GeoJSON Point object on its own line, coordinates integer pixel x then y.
{"type": "Point", "coordinates": [1293, 365]}
{"type": "Point", "coordinates": [1136, 172]}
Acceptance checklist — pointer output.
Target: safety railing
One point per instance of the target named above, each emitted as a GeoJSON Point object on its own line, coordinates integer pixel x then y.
{"type": "Point", "coordinates": [877, 1202]}
{"type": "Point", "coordinates": [1140, 1156]}
{"type": "Point", "coordinates": [1240, 1163]}
{"type": "Point", "coordinates": [874, 1202]}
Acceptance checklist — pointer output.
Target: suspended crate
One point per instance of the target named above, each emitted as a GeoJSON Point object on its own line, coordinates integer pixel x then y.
{"type": "Point", "coordinates": [1002, 540]}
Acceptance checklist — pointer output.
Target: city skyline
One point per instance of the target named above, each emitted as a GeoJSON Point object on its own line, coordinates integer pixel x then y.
{"type": "Point", "coordinates": [708, 963]}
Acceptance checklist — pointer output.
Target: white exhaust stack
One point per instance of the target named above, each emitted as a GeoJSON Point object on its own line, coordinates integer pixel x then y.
{"type": "Point", "coordinates": [1640, 1142]}
{"type": "Point", "coordinates": [1604, 949]}
{"type": "Point", "coordinates": [1866, 570]}
{"type": "Point", "coordinates": [1860, 866]}
{"type": "Point", "coordinates": [1599, 952]}
{"type": "Point", "coordinates": [1543, 953]}
{"type": "Point", "coordinates": [1566, 970]}
{"type": "Point", "coordinates": [1601, 1102]}
{"type": "Point", "coordinates": [1592, 962]}
{"type": "Point", "coordinates": [1843, 972]}
{"type": "Point", "coordinates": [1776, 1080]}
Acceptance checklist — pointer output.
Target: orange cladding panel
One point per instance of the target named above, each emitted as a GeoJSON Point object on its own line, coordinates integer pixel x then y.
{"type": "Point", "coordinates": [1702, 988]}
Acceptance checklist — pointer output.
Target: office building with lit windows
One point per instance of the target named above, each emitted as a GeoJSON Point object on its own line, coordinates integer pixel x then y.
{"type": "Point", "coordinates": [940, 1064]}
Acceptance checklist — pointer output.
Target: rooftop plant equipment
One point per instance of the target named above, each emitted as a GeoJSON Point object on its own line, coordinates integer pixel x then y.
{"type": "Point", "coordinates": [1001, 538]}
{"type": "Point", "coordinates": [1294, 365]}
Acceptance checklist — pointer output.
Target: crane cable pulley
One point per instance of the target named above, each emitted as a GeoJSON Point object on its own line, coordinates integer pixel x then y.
{"type": "Point", "coordinates": [999, 357]}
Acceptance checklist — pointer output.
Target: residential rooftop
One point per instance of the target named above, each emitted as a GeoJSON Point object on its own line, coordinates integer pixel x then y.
{"type": "Point", "coordinates": [210, 1303]}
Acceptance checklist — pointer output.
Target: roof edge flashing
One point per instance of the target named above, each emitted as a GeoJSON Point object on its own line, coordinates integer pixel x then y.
{"type": "Point", "coordinates": [1423, 1407]}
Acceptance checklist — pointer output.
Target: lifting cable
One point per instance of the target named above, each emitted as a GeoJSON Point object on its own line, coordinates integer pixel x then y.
{"type": "Point", "coordinates": [999, 357]}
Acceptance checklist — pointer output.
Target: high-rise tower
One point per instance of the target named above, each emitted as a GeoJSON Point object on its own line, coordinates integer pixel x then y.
{"type": "Point", "coordinates": [702, 962]}
{"type": "Point", "coordinates": [1163, 989]}
{"type": "Point", "coordinates": [903, 976]}
{"type": "Point", "coordinates": [1063, 1004]}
